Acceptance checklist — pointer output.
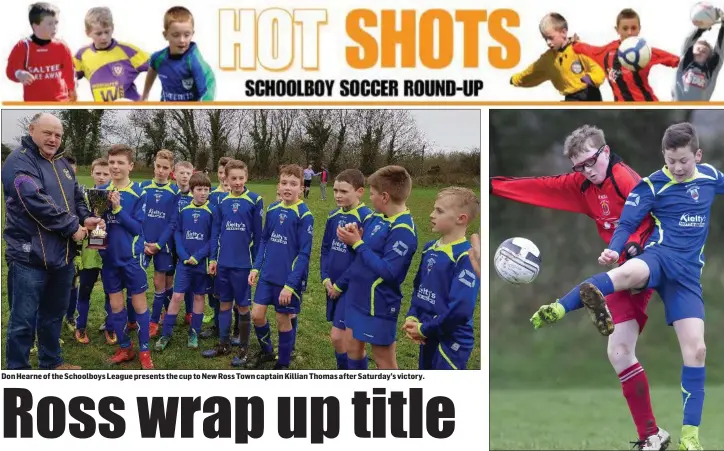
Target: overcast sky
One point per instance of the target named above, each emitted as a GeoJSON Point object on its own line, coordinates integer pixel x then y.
{"type": "Point", "coordinates": [446, 129]}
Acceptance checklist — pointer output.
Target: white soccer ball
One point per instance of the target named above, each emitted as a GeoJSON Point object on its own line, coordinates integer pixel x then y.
{"type": "Point", "coordinates": [634, 53]}
{"type": "Point", "coordinates": [517, 261]}
{"type": "Point", "coordinates": [704, 15]}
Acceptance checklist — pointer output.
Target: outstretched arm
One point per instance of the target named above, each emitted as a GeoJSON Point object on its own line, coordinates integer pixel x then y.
{"type": "Point", "coordinates": [532, 75]}
{"type": "Point", "coordinates": [638, 204]}
{"type": "Point", "coordinates": [559, 192]}
{"type": "Point", "coordinates": [598, 54]}
{"type": "Point", "coordinates": [687, 49]}
{"type": "Point", "coordinates": [663, 57]}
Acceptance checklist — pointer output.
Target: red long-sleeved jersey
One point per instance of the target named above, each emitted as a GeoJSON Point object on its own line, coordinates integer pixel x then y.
{"type": "Point", "coordinates": [573, 192]}
{"type": "Point", "coordinates": [50, 62]}
{"type": "Point", "coordinates": [627, 86]}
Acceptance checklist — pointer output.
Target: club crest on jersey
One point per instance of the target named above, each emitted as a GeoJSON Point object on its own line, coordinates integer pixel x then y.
{"type": "Point", "coordinates": [196, 217]}
{"type": "Point", "coordinates": [693, 191]}
{"type": "Point", "coordinates": [430, 264]}
{"type": "Point", "coordinates": [67, 174]}
{"type": "Point", "coordinates": [604, 208]}
{"type": "Point", "coordinates": [235, 207]}
{"type": "Point", "coordinates": [117, 70]}
{"type": "Point", "coordinates": [576, 67]}
{"type": "Point", "coordinates": [158, 197]}
{"type": "Point", "coordinates": [613, 75]}
{"type": "Point", "coordinates": [282, 218]}
{"type": "Point", "coordinates": [187, 83]}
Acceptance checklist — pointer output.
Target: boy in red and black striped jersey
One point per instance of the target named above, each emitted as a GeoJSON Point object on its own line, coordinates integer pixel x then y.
{"type": "Point", "coordinates": [627, 86]}
{"type": "Point", "coordinates": [43, 64]}
{"type": "Point", "coordinates": [598, 187]}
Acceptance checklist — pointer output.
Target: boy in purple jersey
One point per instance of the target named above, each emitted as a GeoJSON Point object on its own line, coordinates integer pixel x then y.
{"type": "Point", "coordinates": [185, 75]}
{"type": "Point", "coordinates": [110, 66]}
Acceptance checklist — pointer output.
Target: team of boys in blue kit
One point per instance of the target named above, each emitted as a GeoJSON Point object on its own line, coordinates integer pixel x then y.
{"type": "Point", "coordinates": [223, 243]}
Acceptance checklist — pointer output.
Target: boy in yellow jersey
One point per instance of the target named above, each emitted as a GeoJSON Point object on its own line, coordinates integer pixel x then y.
{"type": "Point", "coordinates": [110, 66]}
{"type": "Point", "coordinates": [577, 77]}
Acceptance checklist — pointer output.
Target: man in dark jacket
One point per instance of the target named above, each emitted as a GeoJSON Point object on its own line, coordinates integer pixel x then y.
{"type": "Point", "coordinates": [45, 214]}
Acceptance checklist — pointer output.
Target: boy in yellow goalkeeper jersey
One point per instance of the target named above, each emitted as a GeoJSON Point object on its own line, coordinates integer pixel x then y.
{"type": "Point", "coordinates": [577, 77]}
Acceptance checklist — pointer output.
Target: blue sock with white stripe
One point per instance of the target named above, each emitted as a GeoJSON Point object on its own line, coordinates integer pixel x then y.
{"type": "Point", "coordinates": [572, 301]}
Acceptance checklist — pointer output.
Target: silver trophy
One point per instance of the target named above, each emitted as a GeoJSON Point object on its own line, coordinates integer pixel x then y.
{"type": "Point", "coordinates": [98, 204]}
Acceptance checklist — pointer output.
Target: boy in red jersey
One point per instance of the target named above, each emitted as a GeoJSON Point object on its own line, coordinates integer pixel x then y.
{"type": "Point", "coordinates": [598, 188]}
{"type": "Point", "coordinates": [43, 64]}
{"type": "Point", "coordinates": [627, 86]}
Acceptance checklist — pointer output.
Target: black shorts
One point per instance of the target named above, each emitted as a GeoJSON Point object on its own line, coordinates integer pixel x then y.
{"type": "Point", "coordinates": [307, 183]}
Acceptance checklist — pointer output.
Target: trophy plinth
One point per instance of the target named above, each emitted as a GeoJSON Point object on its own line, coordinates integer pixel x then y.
{"type": "Point", "coordinates": [97, 239]}
{"type": "Point", "coordinates": [99, 205]}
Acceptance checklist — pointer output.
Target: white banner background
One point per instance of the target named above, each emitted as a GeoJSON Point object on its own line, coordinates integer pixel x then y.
{"type": "Point", "coordinates": [140, 22]}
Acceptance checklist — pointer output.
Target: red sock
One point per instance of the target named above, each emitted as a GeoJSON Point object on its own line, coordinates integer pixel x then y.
{"type": "Point", "coordinates": [635, 387]}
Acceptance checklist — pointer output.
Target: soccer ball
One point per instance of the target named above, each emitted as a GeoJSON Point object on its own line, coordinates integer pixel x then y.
{"type": "Point", "coordinates": [517, 261]}
{"type": "Point", "coordinates": [634, 53]}
{"type": "Point", "coordinates": [704, 15]}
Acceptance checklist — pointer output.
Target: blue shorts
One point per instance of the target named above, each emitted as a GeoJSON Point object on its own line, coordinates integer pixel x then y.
{"type": "Point", "coordinates": [335, 311]}
{"type": "Point", "coordinates": [190, 281]}
{"type": "Point", "coordinates": [375, 330]}
{"type": "Point", "coordinates": [132, 277]}
{"type": "Point", "coordinates": [232, 284]}
{"type": "Point", "coordinates": [678, 283]}
{"type": "Point", "coordinates": [443, 356]}
{"type": "Point", "coordinates": [174, 260]}
{"type": "Point", "coordinates": [268, 294]}
{"type": "Point", "coordinates": [163, 262]}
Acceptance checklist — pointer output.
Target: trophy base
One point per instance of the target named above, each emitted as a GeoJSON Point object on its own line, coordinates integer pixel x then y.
{"type": "Point", "coordinates": [97, 243]}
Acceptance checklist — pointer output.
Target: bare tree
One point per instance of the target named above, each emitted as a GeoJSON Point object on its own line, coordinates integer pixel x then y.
{"type": "Point", "coordinates": [317, 131]}
{"type": "Point", "coordinates": [220, 125]}
{"type": "Point", "coordinates": [131, 131]}
{"type": "Point", "coordinates": [401, 134]}
{"type": "Point", "coordinates": [186, 125]}
{"type": "Point", "coordinates": [156, 128]}
{"type": "Point", "coordinates": [370, 132]}
{"type": "Point", "coordinates": [342, 119]}
{"type": "Point", "coordinates": [261, 133]}
{"type": "Point", "coordinates": [283, 123]}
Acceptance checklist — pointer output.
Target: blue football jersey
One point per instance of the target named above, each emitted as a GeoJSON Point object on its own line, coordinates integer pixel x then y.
{"type": "Point", "coordinates": [193, 234]}
{"type": "Point", "coordinates": [237, 227]}
{"type": "Point", "coordinates": [161, 200]}
{"type": "Point", "coordinates": [445, 292]}
{"type": "Point", "coordinates": [336, 256]}
{"type": "Point", "coordinates": [286, 244]}
{"type": "Point", "coordinates": [681, 211]}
